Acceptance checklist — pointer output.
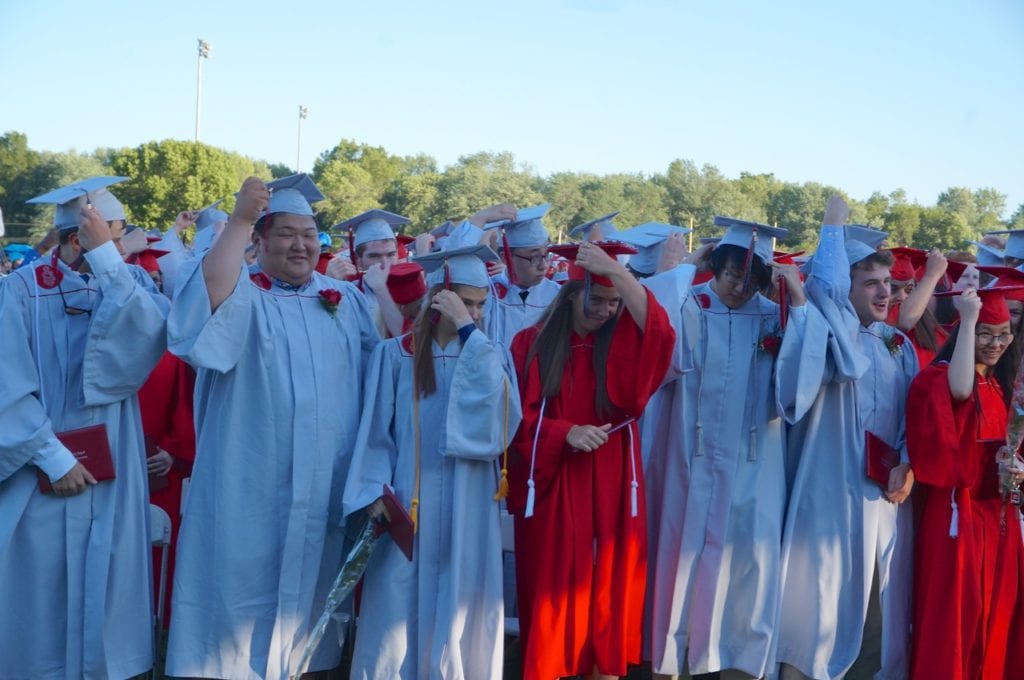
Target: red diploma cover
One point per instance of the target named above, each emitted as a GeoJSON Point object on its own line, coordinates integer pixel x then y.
{"type": "Point", "coordinates": [400, 526]}
{"type": "Point", "coordinates": [90, 446]}
{"type": "Point", "coordinates": [879, 460]}
{"type": "Point", "coordinates": [156, 482]}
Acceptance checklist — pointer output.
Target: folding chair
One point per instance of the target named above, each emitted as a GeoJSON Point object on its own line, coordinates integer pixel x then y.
{"type": "Point", "coordinates": [508, 545]}
{"type": "Point", "coordinates": [159, 536]}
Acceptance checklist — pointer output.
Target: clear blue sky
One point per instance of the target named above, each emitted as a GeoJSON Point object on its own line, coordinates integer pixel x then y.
{"type": "Point", "coordinates": [866, 95]}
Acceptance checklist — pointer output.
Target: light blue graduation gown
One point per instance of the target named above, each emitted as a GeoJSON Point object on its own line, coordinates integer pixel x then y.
{"type": "Point", "coordinates": [717, 489]}
{"type": "Point", "coordinates": [839, 525]}
{"type": "Point", "coordinates": [277, 403]}
{"type": "Point", "coordinates": [507, 314]}
{"type": "Point", "coordinates": [441, 615]}
{"type": "Point", "coordinates": [76, 590]}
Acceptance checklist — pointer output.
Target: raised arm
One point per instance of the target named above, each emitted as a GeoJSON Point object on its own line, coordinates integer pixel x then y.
{"type": "Point", "coordinates": [634, 297]}
{"type": "Point", "coordinates": [913, 307]}
{"type": "Point", "coordinates": [222, 263]}
{"type": "Point", "coordinates": [962, 364]}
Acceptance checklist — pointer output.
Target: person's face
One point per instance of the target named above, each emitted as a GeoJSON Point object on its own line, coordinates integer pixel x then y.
{"type": "Point", "coordinates": [729, 287]}
{"type": "Point", "coordinates": [900, 290]}
{"type": "Point", "coordinates": [1016, 308]}
{"type": "Point", "coordinates": [158, 279]}
{"type": "Point", "coordinates": [117, 231]}
{"type": "Point", "coordinates": [287, 249]}
{"type": "Point", "coordinates": [590, 314]}
{"type": "Point", "coordinates": [990, 341]}
{"type": "Point", "coordinates": [971, 278]}
{"type": "Point", "coordinates": [474, 299]}
{"type": "Point", "coordinates": [530, 265]}
{"type": "Point", "coordinates": [869, 293]}
{"type": "Point", "coordinates": [377, 252]}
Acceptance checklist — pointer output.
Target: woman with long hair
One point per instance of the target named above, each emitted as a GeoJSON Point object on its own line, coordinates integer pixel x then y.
{"type": "Point", "coordinates": [576, 482]}
{"type": "Point", "coordinates": [968, 557]}
{"type": "Point", "coordinates": [441, 405]}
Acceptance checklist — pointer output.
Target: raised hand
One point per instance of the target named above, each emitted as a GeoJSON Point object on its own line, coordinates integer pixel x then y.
{"type": "Point", "coordinates": [376, 277]}
{"type": "Point", "coordinates": [251, 201]}
{"type": "Point", "coordinates": [494, 213]}
{"type": "Point", "coordinates": [341, 268]}
{"type": "Point", "coordinates": [93, 230]}
{"type": "Point", "coordinates": [673, 252]}
{"type": "Point", "coordinates": [451, 307]}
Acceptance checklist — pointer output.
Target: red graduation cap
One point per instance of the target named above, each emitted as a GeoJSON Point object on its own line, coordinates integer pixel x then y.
{"type": "Point", "coordinates": [1007, 278]}
{"type": "Point", "coordinates": [908, 263]}
{"type": "Point", "coordinates": [403, 242]}
{"type": "Point", "coordinates": [406, 283]}
{"type": "Point", "coordinates": [570, 250]}
{"type": "Point", "coordinates": [993, 303]}
{"type": "Point", "coordinates": [147, 259]}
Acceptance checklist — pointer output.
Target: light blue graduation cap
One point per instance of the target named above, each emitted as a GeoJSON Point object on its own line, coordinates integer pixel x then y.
{"type": "Point", "coordinates": [210, 215]}
{"type": "Point", "coordinates": [987, 255]}
{"type": "Point", "coordinates": [293, 194]}
{"type": "Point", "coordinates": [605, 222]}
{"type": "Point", "coordinates": [1014, 242]}
{"type": "Point", "coordinates": [72, 198]}
{"type": "Point", "coordinates": [526, 230]}
{"type": "Point", "coordinates": [648, 239]}
{"type": "Point", "coordinates": [372, 225]}
{"type": "Point", "coordinates": [746, 234]}
{"type": "Point", "coordinates": [869, 236]}
{"type": "Point", "coordinates": [466, 265]}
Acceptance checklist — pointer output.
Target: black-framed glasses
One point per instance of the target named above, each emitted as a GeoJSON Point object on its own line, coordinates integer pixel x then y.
{"type": "Point", "coordinates": [536, 260]}
{"type": "Point", "coordinates": [985, 339]}
{"type": "Point", "coordinates": [68, 309]}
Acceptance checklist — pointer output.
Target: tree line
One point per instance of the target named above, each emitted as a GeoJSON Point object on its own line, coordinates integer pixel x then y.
{"type": "Point", "coordinates": [170, 175]}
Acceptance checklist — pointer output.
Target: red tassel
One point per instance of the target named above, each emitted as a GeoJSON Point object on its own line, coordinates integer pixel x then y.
{"type": "Point", "coordinates": [507, 250]}
{"type": "Point", "coordinates": [352, 247]}
{"type": "Point", "coordinates": [783, 303]}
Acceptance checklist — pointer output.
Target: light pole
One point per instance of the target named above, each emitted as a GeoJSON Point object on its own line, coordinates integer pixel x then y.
{"type": "Point", "coordinates": [204, 53]}
{"type": "Point", "coordinates": [303, 114]}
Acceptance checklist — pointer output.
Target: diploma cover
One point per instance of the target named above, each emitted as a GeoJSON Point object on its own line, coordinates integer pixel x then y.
{"type": "Point", "coordinates": [879, 460]}
{"type": "Point", "coordinates": [400, 526]}
{"type": "Point", "coordinates": [91, 447]}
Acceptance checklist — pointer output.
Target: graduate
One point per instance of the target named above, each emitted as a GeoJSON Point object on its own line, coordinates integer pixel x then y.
{"type": "Point", "coordinates": [280, 358]}
{"type": "Point", "coordinates": [968, 564]}
{"type": "Point", "coordinates": [81, 331]}
{"type": "Point", "coordinates": [442, 406]}
{"type": "Point", "coordinates": [576, 482]}
{"type": "Point", "coordinates": [407, 288]}
{"type": "Point", "coordinates": [716, 475]}
{"type": "Point", "coordinates": [522, 292]}
{"type": "Point", "coordinates": [847, 543]}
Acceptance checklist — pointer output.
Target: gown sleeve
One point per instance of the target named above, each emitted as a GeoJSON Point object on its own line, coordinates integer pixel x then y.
{"type": "Point", "coordinates": [672, 289]}
{"type": "Point", "coordinates": [938, 423]}
{"type": "Point", "coordinates": [639, 359]}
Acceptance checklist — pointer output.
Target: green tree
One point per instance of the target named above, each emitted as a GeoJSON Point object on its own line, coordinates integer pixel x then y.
{"type": "Point", "coordinates": [482, 179]}
{"type": "Point", "coordinates": [171, 176]}
{"type": "Point", "coordinates": [22, 176]}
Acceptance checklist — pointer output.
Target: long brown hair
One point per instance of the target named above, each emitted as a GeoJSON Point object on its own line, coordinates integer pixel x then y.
{"type": "Point", "coordinates": [551, 347]}
{"type": "Point", "coordinates": [422, 346]}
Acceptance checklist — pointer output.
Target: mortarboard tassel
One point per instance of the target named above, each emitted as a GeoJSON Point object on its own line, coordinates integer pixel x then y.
{"type": "Point", "coordinates": [414, 513]}
{"type": "Point", "coordinates": [503, 483]}
{"type": "Point", "coordinates": [506, 249]}
{"type": "Point", "coordinates": [783, 303]}
{"type": "Point", "coordinates": [531, 494]}
{"type": "Point", "coordinates": [633, 485]}
{"type": "Point", "coordinates": [352, 247]}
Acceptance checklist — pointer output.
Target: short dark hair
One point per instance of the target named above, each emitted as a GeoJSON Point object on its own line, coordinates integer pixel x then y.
{"type": "Point", "coordinates": [735, 256]}
{"type": "Point", "coordinates": [879, 257]}
{"type": "Point", "coordinates": [64, 235]}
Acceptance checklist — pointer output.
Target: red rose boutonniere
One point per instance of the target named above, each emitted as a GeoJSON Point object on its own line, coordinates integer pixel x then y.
{"type": "Point", "coordinates": [771, 344]}
{"type": "Point", "coordinates": [894, 343]}
{"type": "Point", "coordinates": [704, 300]}
{"type": "Point", "coordinates": [330, 299]}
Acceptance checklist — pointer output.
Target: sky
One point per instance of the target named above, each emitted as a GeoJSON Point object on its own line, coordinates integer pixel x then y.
{"type": "Point", "coordinates": [866, 96]}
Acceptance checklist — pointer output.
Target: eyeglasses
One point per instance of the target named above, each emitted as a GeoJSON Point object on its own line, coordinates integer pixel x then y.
{"type": "Point", "coordinates": [985, 339]}
{"type": "Point", "coordinates": [535, 260]}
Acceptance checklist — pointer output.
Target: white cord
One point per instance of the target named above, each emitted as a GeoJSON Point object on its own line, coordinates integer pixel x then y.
{"type": "Point", "coordinates": [634, 485]}
{"type": "Point", "coordinates": [531, 493]}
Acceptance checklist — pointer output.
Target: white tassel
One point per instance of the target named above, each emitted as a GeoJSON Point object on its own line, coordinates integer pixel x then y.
{"type": "Point", "coordinates": [531, 496]}
{"type": "Point", "coordinates": [954, 522]}
{"type": "Point", "coordinates": [752, 453]}
{"type": "Point", "coordinates": [632, 496]}
{"type": "Point", "coordinates": [634, 485]}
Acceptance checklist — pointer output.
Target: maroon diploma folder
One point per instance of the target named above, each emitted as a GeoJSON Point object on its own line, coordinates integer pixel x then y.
{"type": "Point", "coordinates": [400, 526]}
{"type": "Point", "coordinates": [156, 482]}
{"type": "Point", "coordinates": [879, 460]}
{"type": "Point", "coordinates": [92, 449]}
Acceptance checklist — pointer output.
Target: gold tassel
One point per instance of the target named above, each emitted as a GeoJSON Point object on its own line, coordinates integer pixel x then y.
{"type": "Point", "coordinates": [414, 513]}
{"type": "Point", "coordinates": [502, 486]}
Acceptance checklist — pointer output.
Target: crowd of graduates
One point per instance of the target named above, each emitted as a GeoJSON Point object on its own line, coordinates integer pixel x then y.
{"type": "Point", "coordinates": [728, 460]}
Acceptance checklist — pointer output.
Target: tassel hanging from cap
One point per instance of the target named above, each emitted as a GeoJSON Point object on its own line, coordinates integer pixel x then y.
{"type": "Point", "coordinates": [503, 483]}
{"type": "Point", "coordinates": [954, 522]}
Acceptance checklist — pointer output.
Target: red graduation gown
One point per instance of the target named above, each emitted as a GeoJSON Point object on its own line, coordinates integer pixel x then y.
{"type": "Point", "coordinates": [581, 560]}
{"type": "Point", "coordinates": [166, 404]}
{"type": "Point", "coordinates": [966, 588]}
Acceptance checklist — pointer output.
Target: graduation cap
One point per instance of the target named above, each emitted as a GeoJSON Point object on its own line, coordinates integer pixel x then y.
{"type": "Point", "coordinates": [466, 265]}
{"type": "Point", "coordinates": [72, 198]}
{"type": "Point", "coordinates": [710, 240]}
{"type": "Point", "coordinates": [757, 239]}
{"type": "Point", "coordinates": [406, 283]}
{"type": "Point", "coordinates": [576, 273]}
{"type": "Point", "coordinates": [402, 245]}
{"type": "Point", "coordinates": [525, 231]}
{"type": "Point", "coordinates": [147, 259]}
{"type": "Point", "coordinates": [293, 194]}
{"type": "Point", "coordinates": [869, 236]}
{"type": "Point", "coordinates": [607, 227]}
{"type": "Point", "coordinates": [648, 239]}
{"type": "Point", "coordinates": [372, 225]}
{"type": "Point", "coordinates": [993, 303]}
{"type": "Point", "coordinates": [987, 255]}
{"type": "Point", "coordinates": [1014, 242]}
{"type": "Point", "coordinates": [1006, 277]}
{"type": "Point", "coordinates": [907, 262]}
{"type": "Point", "coordinates": [210, 215]}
